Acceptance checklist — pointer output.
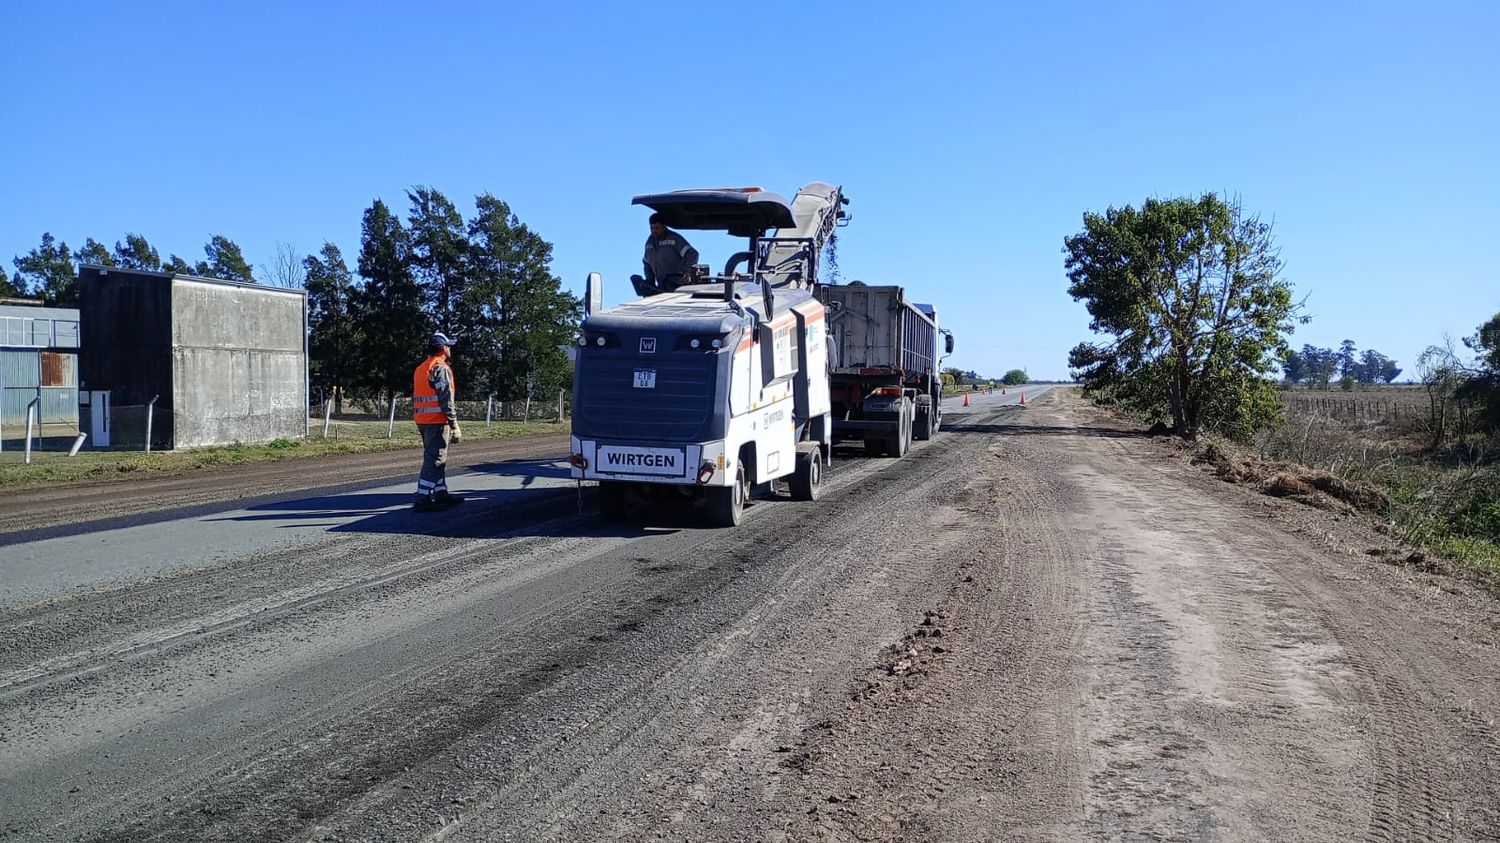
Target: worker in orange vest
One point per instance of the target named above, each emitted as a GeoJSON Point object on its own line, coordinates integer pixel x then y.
{"type": "Point", "coordinates": [433, 409]}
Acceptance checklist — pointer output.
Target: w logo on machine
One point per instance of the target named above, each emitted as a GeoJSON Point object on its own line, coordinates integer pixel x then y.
{"type": "Point", "coordinates": [648, 345]}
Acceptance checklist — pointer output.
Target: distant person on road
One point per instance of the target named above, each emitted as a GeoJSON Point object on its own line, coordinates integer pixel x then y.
{"type": "Point", "coordinates": [433, 409]}
{"type": "Point", "coordinates": [669, 260]}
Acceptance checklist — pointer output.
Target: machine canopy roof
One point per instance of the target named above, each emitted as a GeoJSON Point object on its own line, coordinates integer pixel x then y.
{"type": "Point", "coordinates": [745, 212]}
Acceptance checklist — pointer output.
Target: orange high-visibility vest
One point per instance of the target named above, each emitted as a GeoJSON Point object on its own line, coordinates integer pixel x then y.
{"type": "Point", "coordinates": [425, 405]}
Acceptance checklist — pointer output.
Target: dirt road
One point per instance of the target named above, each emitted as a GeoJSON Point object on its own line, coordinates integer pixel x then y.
{"type": "Point", "coordinates": [1036, 627]}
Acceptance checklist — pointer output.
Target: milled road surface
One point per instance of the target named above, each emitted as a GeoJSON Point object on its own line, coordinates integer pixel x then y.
{"type": "Point", "coordinates": [1038, 626]}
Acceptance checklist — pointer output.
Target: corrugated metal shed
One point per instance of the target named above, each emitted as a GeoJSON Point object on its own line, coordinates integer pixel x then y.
{"type": "Point", "coordinates": [38, 359]}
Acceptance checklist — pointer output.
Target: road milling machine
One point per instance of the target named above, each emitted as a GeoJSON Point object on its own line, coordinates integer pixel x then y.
{"type": "Point", "coordinates": [722, 384]}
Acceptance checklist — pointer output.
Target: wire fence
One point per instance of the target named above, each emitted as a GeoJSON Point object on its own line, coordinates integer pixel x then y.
{"type": "Point", "coordinates": [357, 417]}
{"type": "Point", "coordinates": [1409, 404]}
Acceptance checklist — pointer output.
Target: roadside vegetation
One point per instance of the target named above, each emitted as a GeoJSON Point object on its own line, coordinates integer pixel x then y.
{"type": "Point", "coordinates": [1189, 298]}
{"type": "Point", "coordinates": [347, 435]}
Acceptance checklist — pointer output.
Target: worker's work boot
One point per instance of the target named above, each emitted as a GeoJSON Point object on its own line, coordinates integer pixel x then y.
{"type": "Point", "coordinates": [425, 503]}
{"type": "Point", "coordinates": [443, 499]}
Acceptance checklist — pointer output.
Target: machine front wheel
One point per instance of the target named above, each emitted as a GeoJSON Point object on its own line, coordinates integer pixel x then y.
{"type": "Point", "coordinates": [726, 504]}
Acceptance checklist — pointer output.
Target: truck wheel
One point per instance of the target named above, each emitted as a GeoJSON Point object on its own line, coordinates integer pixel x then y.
{"type": "Point", "coordinates": [611, 500]}
{"type": "Point", "coordinates": [808, 478]}
{"type": "Point", "coordinates": [874, 447]}
{"type": "Point", "coordinates": [726, 504]}
{"type": "Point", "coordinates": [903, 434]}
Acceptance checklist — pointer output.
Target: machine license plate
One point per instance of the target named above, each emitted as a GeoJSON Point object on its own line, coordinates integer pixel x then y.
{"type": "Point", "coordinates": [645, 378]}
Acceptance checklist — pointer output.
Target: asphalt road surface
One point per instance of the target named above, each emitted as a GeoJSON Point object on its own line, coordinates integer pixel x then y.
{"type": "Point", "coordinates": [1037, 626]}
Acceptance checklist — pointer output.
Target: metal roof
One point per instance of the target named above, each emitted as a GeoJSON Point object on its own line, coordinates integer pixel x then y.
{"type": "Point", "coordinates": [744, 212]}
{"type": "Point", "coordinates": [199, 279]}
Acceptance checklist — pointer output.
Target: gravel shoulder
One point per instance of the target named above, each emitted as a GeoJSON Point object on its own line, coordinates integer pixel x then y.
{"type": "Point", "coordinates": [1039, 626]}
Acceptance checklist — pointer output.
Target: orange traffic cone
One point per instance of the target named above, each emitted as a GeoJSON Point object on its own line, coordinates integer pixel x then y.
{"type": "Point", "coordinates": [1002, 390]}
{"type": "Point", "coordinates": [1023, 399]}
{"type": "Point", "coordinates": [966, 399]}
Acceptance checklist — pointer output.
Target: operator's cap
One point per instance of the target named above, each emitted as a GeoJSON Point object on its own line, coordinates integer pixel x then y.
{"type": "Point", "coordinates": [440, 338]}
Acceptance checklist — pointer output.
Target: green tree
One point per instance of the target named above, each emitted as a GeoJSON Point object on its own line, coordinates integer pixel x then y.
{"type": "Point", "coordinates": [388, 308]}
{"type": "Point", "coordinates": [94, 252]}
{"type": "Point", "coordinates": [1294, 366]}
{"type": "Point", "coordinates": [1320, 363]}
{"type": "Point", "coordinates": [1015, 377]}
{"type": "Point", "coordinates": [47, 271]}
{"type": "Point", "coordinates": [439, 259]}
{"type": "Point", "coordinates": [136, 253]}
{"type": "Point", "coordinates": [225, 260]}
{"type": "Point", "coordinates": [10, 288]}
{"type": "Point", "coordinates": [1348, 364]}
{"type": "Point", "coordinates": [1190, 290]}
{"type": "Point", "coordinates": [1482, 387]}
{"type": "Point", "coordinates": [524, 318]}
{"type": "Point", "coordinates": [333, 338]}
{"type": "Point", "coordinates": [178, 266]}
{"type": "Point", "coordinates": [1375, 367]}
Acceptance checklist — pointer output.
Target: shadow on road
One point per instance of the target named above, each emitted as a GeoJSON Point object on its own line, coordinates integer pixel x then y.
{"type": "Point", "coordinates": [519, 507]}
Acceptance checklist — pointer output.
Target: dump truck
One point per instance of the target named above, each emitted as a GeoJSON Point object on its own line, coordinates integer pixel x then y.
{"type": "Point", "coordinates": [720, 385]}
{"type": "Point", "coordinates": [884, 358]}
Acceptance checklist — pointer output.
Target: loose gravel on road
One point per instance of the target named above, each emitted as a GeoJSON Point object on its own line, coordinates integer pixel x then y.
{"type": "Point", "coordinates": [1037, 626]}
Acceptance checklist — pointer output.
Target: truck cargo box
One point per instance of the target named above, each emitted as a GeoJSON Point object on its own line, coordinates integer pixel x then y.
{"type": "Point", "coordinates": [877, 328]}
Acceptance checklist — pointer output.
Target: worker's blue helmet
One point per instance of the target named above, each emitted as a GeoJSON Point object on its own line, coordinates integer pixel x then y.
{"type": "Point", "coordinates": [440, 338]}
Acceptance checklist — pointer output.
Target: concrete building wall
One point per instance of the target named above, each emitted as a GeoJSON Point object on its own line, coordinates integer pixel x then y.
{"type": "Point", "coordinates": [239, 363]}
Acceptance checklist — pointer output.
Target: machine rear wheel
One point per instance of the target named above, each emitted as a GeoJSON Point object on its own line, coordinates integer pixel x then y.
{"type": "Point", "coordinates": [808, 478]}
{"type": "Point", "coordinates": [726, 504]}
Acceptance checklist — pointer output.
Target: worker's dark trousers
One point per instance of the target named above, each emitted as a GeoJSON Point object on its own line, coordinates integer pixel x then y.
{"type": "Point", "coordinates": [434, 477]}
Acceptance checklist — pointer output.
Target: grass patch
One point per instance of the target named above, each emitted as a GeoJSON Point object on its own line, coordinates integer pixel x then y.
{"type": "Point", "coordinates": [354, 436]}
{"type": "Point", "coordinates": [1446, 501]}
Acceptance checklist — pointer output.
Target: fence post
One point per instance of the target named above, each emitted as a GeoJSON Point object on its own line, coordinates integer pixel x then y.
{"type": "Point", "coordinates": [150, 417]}
{"type": "Point", "coordinates": [390, 427]}
{"type": "Point", "coordinates": [559, 405]}
{"type": "Point", "coordinates": [526, 413]}
{"type": "Point", "coordinates": [77, 443]}
{"type": "Point", "coordinates": [31, 409]}
{"type": "Point", "coordinates": [327, 411]}
{"type": "Point", "coordinates": [489, 409]}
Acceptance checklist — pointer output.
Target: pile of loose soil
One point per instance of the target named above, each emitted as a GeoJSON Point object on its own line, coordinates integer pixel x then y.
{"type": "Point", "coordinates": [1282, 479]}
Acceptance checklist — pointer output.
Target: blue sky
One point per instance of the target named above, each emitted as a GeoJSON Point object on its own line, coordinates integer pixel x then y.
{"type": "Point", "coordinates": [971, 138]}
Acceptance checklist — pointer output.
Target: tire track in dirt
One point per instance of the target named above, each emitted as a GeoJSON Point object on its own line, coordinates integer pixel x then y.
{"type": "Point", "coordinates": [1310, 672]}
{"type": "Point", "coordinates": [957, 735]}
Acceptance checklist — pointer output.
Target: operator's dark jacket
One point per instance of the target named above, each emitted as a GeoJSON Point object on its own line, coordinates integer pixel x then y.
{"type": "Point", "coordinates": [668, 258]}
